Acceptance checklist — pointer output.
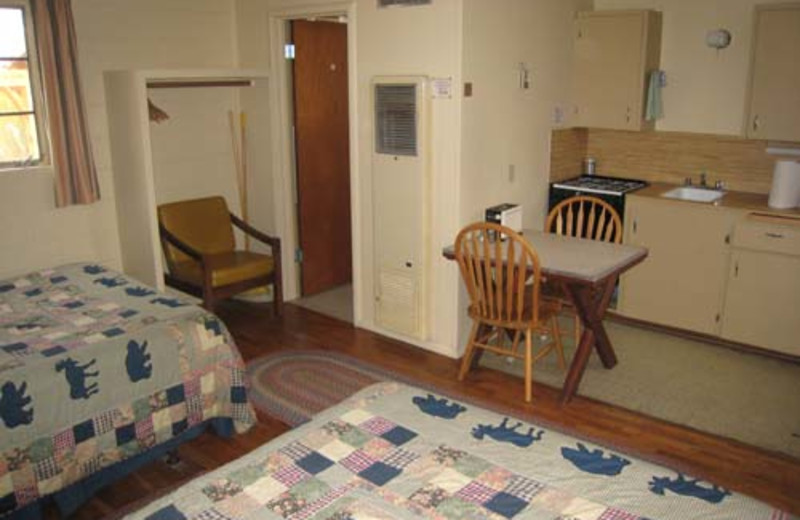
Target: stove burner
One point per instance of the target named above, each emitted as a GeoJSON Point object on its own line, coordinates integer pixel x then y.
{"type": "Point", "coordinates": [603, 185]}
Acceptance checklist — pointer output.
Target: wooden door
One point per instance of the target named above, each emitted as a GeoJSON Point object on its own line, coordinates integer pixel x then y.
{"type": "Point", "coordinates": [775, 90]}
{"type": "Point", "coordinates": [682, 281]}
{"type": "Point", "coordinates": [322, 148]}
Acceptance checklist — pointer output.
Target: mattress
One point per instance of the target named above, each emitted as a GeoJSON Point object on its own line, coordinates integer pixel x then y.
{"type": "Point", "coordinates": [96, 369]}
{"type": "Point", "coordinates": [395, 451]}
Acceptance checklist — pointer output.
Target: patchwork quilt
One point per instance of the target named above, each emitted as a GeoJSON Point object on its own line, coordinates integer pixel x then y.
{"type": "Point", "coordinates": [394, 451]}
{"type": "Point", "coordinates": [96, 368]}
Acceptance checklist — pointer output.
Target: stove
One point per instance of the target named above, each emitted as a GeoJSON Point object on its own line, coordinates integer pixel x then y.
{"type": "Point", "coordinates": [609, 189]}
{"type": "Point", "coordinates": [600, 185]}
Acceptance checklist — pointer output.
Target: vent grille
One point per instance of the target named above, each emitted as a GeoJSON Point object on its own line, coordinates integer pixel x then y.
{"type": "Point", "coordinates": [397, 308]}
{"type": "Point", "coordinates": [394, 3]}
{"type": "Point", "coordinates": [396, 119]}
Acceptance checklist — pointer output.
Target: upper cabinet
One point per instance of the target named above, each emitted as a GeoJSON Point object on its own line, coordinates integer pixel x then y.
{"type": "Point", "coordinates": [774, 103]}
{"type": "Point", "coordinates": [614, 53]}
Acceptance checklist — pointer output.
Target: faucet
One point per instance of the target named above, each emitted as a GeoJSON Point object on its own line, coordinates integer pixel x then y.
{"type": "Point", "coordinates": [703, 179]}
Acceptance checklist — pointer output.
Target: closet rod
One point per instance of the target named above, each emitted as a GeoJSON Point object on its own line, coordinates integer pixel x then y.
{"type": "Point", "coordinates": [201, 83]}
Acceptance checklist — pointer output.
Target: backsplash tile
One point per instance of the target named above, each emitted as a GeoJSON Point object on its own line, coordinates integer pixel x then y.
{"type": "Point", "coordinates": [741, 164]}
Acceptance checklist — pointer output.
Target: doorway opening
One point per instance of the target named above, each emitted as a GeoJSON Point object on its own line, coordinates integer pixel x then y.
{"type": "Point", "coordinates": [320, 119]}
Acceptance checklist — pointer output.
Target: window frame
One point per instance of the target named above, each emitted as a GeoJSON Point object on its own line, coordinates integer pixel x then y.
{"type": "Point", "coordinates": [37, 92]}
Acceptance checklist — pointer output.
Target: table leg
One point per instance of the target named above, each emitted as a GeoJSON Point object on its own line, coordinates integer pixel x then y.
{"type": "Point", "coordinates": [591, 305]}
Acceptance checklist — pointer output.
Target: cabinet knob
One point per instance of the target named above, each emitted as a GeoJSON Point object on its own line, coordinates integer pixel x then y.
{"type": "Point", "coordinates": [756, 123]}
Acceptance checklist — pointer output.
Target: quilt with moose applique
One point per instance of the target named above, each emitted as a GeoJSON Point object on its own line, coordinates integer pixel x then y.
{"type": "Point", "coordinates": [96, 368]}
{"type": "Point", "coordinates": [395, 451]}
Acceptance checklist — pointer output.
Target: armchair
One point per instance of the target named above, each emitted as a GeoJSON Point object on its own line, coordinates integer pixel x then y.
{"type": "Point", "coordinates": [200, 250]}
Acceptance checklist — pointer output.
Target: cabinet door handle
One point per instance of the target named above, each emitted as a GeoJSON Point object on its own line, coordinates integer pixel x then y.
{"type": "Point", "coordinates": [773, 235]}
{"type": "Point", "coordinates": [635, 226]}
{"type": "Point", "coordinates": [756, 123]}
{"type": "Point", "coordinates": [736, 270]}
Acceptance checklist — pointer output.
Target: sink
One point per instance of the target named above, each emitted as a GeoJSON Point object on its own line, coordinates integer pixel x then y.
{"type": "Point", "coordinates": [694, 194]}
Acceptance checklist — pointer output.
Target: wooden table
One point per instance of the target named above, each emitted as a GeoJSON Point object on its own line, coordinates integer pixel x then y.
{"type": "Point", "coordinates": [588, 271]}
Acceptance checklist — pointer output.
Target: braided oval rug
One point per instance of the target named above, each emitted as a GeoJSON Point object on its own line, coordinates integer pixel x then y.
{"type": "Point", "coordinates": [293, 386]}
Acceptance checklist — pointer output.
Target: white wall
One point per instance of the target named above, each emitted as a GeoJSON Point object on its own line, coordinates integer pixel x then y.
{"type": "Point", "coordinates": [506, 127]}
{"type": "Point", "coordinates": [417, 41]}
{"type": "Point", "coordinates": [706, 89]}
{"type": "Point", "coordinates": [403, 41]}
{"type": "Point", "coordinates": [112, 34]}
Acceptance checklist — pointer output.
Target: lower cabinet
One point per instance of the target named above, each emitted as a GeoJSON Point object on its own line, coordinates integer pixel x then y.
{"type": "Point", "coordinates": [682, 281]}
{"type": "Point", "coordinates": [762, 302]}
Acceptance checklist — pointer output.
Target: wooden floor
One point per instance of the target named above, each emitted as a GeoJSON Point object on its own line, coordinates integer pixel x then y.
{"type": "Point", "coordinates": [770, 477]}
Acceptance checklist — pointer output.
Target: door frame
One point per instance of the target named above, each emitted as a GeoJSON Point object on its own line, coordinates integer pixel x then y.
{"type": "Point", "coordinates": [283, 162]}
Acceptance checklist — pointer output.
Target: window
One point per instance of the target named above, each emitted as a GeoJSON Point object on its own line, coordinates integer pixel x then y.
{"type": "Point", "coordinates": [21, 121]}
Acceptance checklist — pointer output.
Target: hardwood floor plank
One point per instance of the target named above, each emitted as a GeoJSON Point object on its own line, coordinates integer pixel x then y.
{"type": "Point", "coordinates": [771, 477]}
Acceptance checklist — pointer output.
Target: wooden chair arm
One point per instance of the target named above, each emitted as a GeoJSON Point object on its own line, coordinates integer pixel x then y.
{"type": "Point", "coordinates": [178, 244]}
{"type": "Point", "coordinates": [273, 242]}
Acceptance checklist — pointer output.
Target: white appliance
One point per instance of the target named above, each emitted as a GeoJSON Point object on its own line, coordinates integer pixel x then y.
{"type": "Point", "coordinates": [508, 215]}
{"type": "Point", "coordinates": [400, 201]}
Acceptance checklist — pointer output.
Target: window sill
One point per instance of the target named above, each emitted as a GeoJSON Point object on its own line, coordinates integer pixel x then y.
{"type": "Point", "coordinates": [40, 168]}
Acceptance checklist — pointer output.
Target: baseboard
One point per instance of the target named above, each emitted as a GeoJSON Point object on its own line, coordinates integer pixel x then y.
{"type": "Point", "coordinates": [699, 336]}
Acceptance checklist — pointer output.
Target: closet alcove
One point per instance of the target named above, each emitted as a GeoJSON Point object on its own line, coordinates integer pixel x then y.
{"type": "Point", "coordinates": [188, 151]}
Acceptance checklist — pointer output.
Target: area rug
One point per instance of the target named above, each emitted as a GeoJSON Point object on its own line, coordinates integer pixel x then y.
{"type": "Point", "coordinates": [743, 396]}
{"type": "Point", "coordinates": [294, 386]}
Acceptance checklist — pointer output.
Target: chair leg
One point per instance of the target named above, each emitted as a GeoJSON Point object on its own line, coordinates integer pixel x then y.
{"type": "Point", "coordinates": [558, 344]}
{"type": "Point", "coordinates": [277, 298]}
{"type": "Point", "coordinates": [466, 361]}
{"type": "Point", "coordinates": [577, 329]}
{"type": "Point", "coordinates": [515, 340]}
{"type": "Point", "coordinates": [528, 365]}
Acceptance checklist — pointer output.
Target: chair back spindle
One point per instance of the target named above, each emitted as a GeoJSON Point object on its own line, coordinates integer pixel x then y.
{"type": "Point", "coordinates": [585, 217]}
{"type": "Point", "coordinates": [502, 276]}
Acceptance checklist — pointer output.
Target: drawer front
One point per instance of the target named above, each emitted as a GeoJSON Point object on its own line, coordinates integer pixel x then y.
{"type": "Point", "coordinates": [777, 235]}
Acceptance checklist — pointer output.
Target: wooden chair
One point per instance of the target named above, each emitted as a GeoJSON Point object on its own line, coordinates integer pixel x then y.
{"type": "Point", "coordinates": [505, 297]}
{"type": "Point", "coordinates": [199, 247]}
{"type": "Point", "coordinates": [583, 217]}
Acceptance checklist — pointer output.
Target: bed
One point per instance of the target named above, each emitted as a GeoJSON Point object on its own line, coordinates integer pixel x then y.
{"type": "Point", "coordinates": [100, 374]}
{"type": "Point", "coordinates": [395, 451]}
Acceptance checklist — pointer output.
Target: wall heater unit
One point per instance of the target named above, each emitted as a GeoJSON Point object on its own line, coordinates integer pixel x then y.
{"type": "Point", "coordinates": [400, 201]}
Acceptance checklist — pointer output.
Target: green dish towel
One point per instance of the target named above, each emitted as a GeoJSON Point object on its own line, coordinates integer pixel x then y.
{"type": "Point", "coordinates": [654, 109]}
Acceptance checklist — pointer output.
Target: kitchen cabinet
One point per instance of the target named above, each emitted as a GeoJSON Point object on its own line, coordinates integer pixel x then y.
{"type": "Point", "coordinates": [682, 282]}
{"type": "Point", "coordinates": [774, 104]}
{"type": "Point", "coordinates": [762, 302]}
{"type": "Point", "coordinates": [614, 53]}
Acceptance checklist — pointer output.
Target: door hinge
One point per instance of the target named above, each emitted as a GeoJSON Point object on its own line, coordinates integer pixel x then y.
{"type": "Point", "coordinates": [288, 51]}
{"type": "Point", "coordinates": [298, 255]}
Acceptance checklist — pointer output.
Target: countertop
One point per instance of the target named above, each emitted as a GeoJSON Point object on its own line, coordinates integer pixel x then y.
{"type": "Point", "coordinates": [740, 200]}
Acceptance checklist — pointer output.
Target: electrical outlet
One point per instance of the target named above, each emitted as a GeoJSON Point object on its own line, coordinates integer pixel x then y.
{"type": "Point", "coordinates": [558, 115]}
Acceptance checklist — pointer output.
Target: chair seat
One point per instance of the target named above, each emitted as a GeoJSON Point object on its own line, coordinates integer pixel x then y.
{"type": "Point", "coordinates": [548, 307]}
{"type": "Point", "coordinates": [226, 268]}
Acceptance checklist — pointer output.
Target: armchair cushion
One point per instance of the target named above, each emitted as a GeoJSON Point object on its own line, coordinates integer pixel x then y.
{"type": "Point", "coordinates": [205, 224]}
{"type": "Point", "coordinates": [226, 268]}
